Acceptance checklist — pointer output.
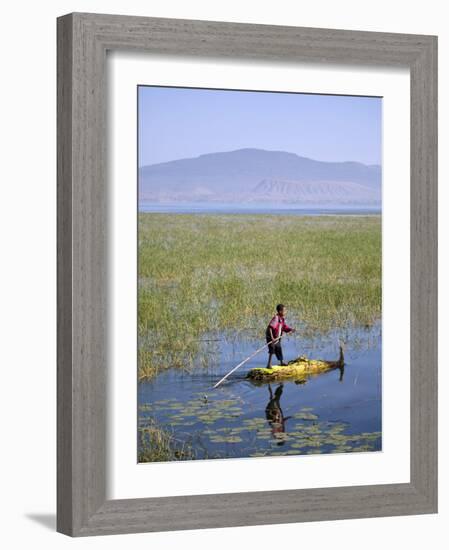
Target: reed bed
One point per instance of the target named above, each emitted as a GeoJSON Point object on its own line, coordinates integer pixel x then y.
{"type": "Point", "coordinates": [201, 276]}
{"type": "Point", "coordinates": [159, 444]}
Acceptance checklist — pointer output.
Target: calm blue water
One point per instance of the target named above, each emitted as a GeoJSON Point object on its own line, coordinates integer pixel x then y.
{"type": "Point", "coordinates": [229, 208]}
{"type": "Point", "coordinates": [334, 412]}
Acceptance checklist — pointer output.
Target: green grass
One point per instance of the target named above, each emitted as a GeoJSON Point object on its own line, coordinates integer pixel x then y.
{"type": "Point", "coordinates": [208, 274]}
{"type": "Point", "coordinates": [160, 445]}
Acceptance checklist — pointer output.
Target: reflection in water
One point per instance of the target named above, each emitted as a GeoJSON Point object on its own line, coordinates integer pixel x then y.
{"type": "Point", "coordinates": [274, 413]}
{"type": "Point", "coordinates": [333, 412]}
{"type": "Point", "coordinates": [306, 377]}
{"type": "Point", "coordinates": [273, 410]}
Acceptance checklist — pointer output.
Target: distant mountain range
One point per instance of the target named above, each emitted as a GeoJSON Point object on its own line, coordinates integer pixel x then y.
{"type": "Point", "coordinates": [257, 175]}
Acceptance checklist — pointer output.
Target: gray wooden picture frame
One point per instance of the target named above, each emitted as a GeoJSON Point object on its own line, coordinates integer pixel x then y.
{"type": "Point", "coordinates": [83, 40]}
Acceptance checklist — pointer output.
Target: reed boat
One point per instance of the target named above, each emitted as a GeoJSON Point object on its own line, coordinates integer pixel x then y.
{"type": "Point", "coordinates": [298, 368]}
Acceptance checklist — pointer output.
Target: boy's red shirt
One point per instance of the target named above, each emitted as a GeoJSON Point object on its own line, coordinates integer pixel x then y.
{"type": "Point", "coordinates": [277, 324]}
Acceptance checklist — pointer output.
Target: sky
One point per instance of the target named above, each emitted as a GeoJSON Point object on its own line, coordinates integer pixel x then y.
{"type": "Point", "coordinates": [179, 123]}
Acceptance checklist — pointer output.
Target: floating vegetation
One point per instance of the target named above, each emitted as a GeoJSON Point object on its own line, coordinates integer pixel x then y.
{"type": "Point", "coordinates": [230, 438]}
{"type": "Point", "coordinates": [305, 416]}
{"type": "Point", "coordinates": [211, 423]}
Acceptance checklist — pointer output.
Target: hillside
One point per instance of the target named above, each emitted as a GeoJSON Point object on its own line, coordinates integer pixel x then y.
{"type": "Point", "coordinates": [251, 175]}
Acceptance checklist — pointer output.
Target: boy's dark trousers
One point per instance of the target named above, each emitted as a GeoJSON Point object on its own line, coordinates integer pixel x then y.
{"type": "Point", "coordinates": [275, 349]}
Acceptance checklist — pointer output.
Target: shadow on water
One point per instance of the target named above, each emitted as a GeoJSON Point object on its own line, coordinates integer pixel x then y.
{"type": "Point", "coordinates": [333, 412]}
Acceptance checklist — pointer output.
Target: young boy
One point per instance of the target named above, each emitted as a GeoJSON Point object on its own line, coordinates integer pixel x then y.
{"type": "Point", "coordinates": [274, 332]}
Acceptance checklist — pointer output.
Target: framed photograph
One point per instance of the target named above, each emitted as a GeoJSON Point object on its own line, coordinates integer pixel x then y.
{"type": "Point", "coordinates": [247, 274]}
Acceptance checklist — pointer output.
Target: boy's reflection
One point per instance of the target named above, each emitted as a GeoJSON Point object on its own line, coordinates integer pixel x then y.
{"type": "Point", "coordinates": [274, 414]}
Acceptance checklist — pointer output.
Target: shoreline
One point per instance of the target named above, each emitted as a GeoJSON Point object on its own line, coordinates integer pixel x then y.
{"type": "Point", "coordinates": [299, 212]}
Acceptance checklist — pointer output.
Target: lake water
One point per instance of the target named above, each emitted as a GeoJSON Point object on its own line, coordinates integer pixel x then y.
{"type": "Point", "coordinates": [334, 412]}
{"type": "Point", "coordinates": [254, 208]}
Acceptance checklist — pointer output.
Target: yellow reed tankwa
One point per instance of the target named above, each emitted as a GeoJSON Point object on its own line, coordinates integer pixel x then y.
{"type": "Point", "coordinates": [296, 368]}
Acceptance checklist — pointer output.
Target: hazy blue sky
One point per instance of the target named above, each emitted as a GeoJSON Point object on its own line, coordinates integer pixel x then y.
{"type": "Point", "coordinates": [180, 122]}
